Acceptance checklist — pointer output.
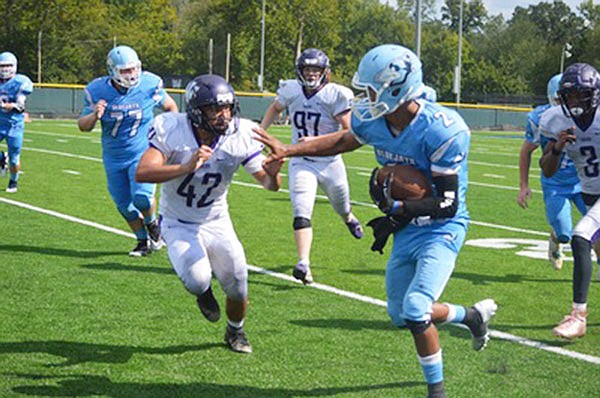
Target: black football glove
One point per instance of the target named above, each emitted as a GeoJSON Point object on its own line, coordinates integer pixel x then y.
{"type": "Point", "coordinates": [381, 194]}
{"type": "Point", "coordinates": [383, 227]}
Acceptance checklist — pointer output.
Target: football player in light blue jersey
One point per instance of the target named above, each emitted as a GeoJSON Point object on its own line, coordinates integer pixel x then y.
{"type": "Point", "coordinates": [14, 88]}
{"type": "Point", "coordinates": [124, 103]}
{"type": "Point", "coordinates": [428, 233]}
{"type": "Point", "coordinates": [559, 190]}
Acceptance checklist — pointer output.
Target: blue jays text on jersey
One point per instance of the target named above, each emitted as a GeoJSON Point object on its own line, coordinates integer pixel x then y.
{"type": "Point", "coordinates": [12, 122]}
{"type": "Point", "coordinates": [565, 179]}
{"type": "Point", "coordinates": [128, 114]}
{"type": "Point", "coordinates": [437, 140]}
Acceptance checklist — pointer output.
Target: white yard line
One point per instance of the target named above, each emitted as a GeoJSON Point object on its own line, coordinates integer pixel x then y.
{"type": "Point", "coordinates": [366, 299]}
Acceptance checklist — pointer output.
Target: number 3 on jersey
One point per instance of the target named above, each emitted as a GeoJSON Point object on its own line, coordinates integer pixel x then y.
{"type": "Point", "coordinates": [301, 120]}
{"type": "Point", "coordinates": [188, 191]}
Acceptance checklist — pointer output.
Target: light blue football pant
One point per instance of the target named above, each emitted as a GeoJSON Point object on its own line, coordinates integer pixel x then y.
{"type": "Point", "coordinates": [558, 211]}
{"type": "Point", "coordinates": [419, 268]}
{"type": "Point", "coordinates": [125, 191]}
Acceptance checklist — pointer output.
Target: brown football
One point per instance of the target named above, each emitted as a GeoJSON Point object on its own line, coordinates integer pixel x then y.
{"type": "Point", "coordinates": [408, 184]}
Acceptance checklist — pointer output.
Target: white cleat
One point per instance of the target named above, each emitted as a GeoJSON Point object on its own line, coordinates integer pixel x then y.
{"type": "Point", "coordinates": [486, 309]}
{"type": "Point", "coordinates": [572, 326]}
{"type": "Point", "coordinates": [555, 254]}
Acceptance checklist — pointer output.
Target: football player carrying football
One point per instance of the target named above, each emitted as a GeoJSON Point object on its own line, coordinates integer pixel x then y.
{"type": "Point", "coordinates": [574, 127]}
{"type": "Point", "coordinates": [316, 107]}
{"type": "Point", "coordinates": [428, 233]}
{"type": "Point", "coordinates": [195, 155]}
{"type": "Point", "coordinates": [124, 102]}
{"type": "Point", "coordinates": [14, 88]}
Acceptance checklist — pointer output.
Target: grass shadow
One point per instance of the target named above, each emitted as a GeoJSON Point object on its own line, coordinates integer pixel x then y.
{"type": "Point", "coordinates": [52, 251]}
{"type": "Point", "coordinates": [77, 352]}
{"type": "Point", "coordinates": [86, 385]}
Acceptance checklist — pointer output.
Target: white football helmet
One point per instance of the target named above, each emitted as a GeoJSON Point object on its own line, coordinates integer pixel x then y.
{"type": "Point", "coordinates": [124, 66]}
{"type": "Point", "coordinates": [8, 65]}
{"type": "Point", "coordinates": [389, 75]}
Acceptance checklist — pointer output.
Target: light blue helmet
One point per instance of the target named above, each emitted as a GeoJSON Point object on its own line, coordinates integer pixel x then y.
{"type": "Point", "coordinates": [120, 58]}
{"type": "Point", "coordinates": [553, 86]}
{"type": "Point", "coordinates": [389, 75]}
{"type": "Point", "coordinates": [8, 65]}
{"type": "Point", "coordinates": [429, 94]}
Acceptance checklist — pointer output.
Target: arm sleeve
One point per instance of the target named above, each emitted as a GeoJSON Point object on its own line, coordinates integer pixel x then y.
{"type": "Point", "coordinates": [443, 205]}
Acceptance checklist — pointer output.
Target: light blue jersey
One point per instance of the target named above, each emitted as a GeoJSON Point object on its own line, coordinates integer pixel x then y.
{"type": "Point", "coordinates": [424, 253]}
{"type": "Point", "coordinates": [437, 140]}
{"type": "Point", "coordinates": [128, 114]}
{"type": "Point", "coordinates": [11, 122]}
{"type": "Point", "coordinates": [565, 179]}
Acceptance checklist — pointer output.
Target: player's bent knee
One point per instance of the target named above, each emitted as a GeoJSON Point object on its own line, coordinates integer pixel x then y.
{"type": "Point", "coordinates": [563, 238]}
{"type": "Point", "coordinates": [14, 160]}
{"type": "Point", "coordinates": [301, 223]}
{"type": "Point", "coordinates": [128, 213]}
{"type": "Point", "coordinates": [142, 202]}
{"type": "Point", "coordinates": [418, 327]}
{"type": "Point", "coordinates": [416, 305]}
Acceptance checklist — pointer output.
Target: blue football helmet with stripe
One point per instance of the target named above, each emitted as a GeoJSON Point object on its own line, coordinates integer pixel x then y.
{"type": "Point", "coordinates": [124, 66]}
{"type": "Point", "coordinates": [389, 75]}
{"type": "Point", "coordinates": [8, 65]}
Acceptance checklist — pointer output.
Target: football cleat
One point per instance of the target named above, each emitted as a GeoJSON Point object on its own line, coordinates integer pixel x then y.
{"type": "Point", "coordinates": [302, 273]}
{"type": "Point", "coordinates": [12, 186]}
{"type": "Point", "coordinates": [156, 241]}
{"type": "Point", "coordinates": [555, 254]}
{"type": "Point", "coordinates": [3, 164]}
{"type": "Point", "coordinates": [484, 311]}
{"type": "Point", "coordinates": [236, 340]}
{"type": "Point", "coordinates": [572, 326]}
{"type": "Point", "coordinates": [209, 307]}
{"type": "Point", "coordinates": [141, 249]}
{"type": "Point", "coordinates": [355, 228]}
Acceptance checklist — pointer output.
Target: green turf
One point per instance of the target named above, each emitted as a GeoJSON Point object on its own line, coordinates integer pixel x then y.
{"type": "Point", "coordinates": [81, 318]}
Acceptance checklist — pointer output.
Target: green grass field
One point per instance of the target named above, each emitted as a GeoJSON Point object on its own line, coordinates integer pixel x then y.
{"type": "Point", "coordinates": [78, 317]}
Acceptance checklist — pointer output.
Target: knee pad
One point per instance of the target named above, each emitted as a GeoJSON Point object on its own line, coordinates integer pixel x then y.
{"type": "Point", "coordinates": [301, 222]}
{"type": "Point", "coordinates": [142, 202]}
{"type": "Point", "coordinates": [128, 213]}
{"type": "Point", "coordinates": [563, 238]}
{"type": "Point", "coordinates": [417, 327]}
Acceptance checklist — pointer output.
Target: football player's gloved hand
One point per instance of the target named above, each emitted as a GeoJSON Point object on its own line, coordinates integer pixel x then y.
{"type": "Point", "coordinates": [383, 227]}
{"type": "Point", "coordinates": [381, 194]}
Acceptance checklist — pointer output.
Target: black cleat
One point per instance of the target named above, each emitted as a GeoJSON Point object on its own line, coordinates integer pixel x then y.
{"type": "Point", "coordinates": [12, 186]}
{"type": "Point", "coordinates": [208, 305]}
{"type": "Point", "coordinates": [436, 390]}
{"type": "Point", "coordinates": [236, 340]}
{"type": "Point", "coordinates": [156, 241]}
{"type": "Point", "coordinates": [141, 249]}
{"type": "Point", "coordinates": [477, 320]}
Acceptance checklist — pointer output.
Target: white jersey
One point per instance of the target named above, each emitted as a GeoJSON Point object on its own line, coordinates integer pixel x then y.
{"type": "Point", "coordinates": [585, 151]}
{"type": "Point", "coordinates": [202, 196]}
{"type": "Point", "coordinates": [312, 116]}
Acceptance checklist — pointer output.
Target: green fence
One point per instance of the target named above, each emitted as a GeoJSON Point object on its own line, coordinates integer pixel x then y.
{"type": "Point", "coordinates": [67, 101]}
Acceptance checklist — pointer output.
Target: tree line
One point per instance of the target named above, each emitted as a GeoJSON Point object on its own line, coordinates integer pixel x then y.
{"type": "Point", "coordinates": [503, 60]}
